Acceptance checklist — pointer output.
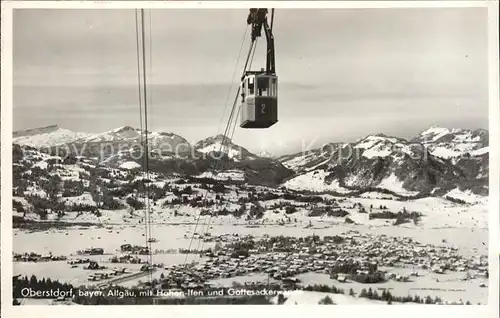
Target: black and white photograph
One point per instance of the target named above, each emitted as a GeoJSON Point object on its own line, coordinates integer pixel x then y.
{"type": "Point", "coordinates": [255, 156]}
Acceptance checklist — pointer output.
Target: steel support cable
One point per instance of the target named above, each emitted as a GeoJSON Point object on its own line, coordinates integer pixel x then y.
{"type": "Point", "coordinates": [138, 45]}
{"type": "Point", "coordinates": [234, 118]}
{"type": "Point", "coordinates": [232, 79]}
{"type": "Point", "coordinates": [237, 94]}
{"type": "Point", "coordinates": [220, 150]}
{"type": "Point", "coordinates": [235, 121]}
{"type": "Point", "coordinates": [231, 86]}
{"type": "Point", "coordinates": [239, 109]}
{"type": "Point", "coordinates": [232, 121]}
{"type": "Point", "coordinates": [272, 19]}
{"type": "Point", "coordinates": [249, 68]}
{"type": "Point", "coordinates": [150, 103]}
{"type": "Point", "coordinates": [144, 130]}
{"type": "Point", "coordinates": [146, 146]}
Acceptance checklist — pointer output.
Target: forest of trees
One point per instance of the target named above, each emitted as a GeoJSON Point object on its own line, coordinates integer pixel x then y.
{"type": "Point", "coordinates": [386, 295]}
{"type": "Point", "coordinates": [21, 282]}
{"type": "Point", "coordinates": [399, 217]}
{"type": "Point", "coordinates": [351, 268]}
{"type": "Point", "coordinates": [34, 283]}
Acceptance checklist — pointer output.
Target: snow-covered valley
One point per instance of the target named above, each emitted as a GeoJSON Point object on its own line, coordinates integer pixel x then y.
{"type": "Point", "coordinates": [386, 191]}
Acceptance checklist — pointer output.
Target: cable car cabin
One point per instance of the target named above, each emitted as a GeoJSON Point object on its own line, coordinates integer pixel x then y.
{"type": "Point", "coordinates": [260, 100]}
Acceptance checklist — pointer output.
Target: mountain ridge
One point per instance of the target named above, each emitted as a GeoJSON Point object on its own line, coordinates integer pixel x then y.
{"type": "Point", "coordinates": [91, 137]}
{"type": "Point", "coordinates": [377, 161]}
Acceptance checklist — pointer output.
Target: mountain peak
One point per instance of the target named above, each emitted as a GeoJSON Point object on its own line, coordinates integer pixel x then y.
{"type": "Point", "coordinates": [46, 136]}
{"type": "Point", "coordinates": [435, 130]}
{"type": "Point", "coordinates": [214, 144]}
{"type": "Point", "coordinates": [35, 131]}
{"type": "Point", "coordinates": [214, 140]}
{"type": "Point", "coordinates": [373, 139]}
{"type": "Point", "coordinates": [124, 129]}
{"type": "Point", "coordinates": [452, 143]}
{"type": "Point", "coordinates": [439, 134]}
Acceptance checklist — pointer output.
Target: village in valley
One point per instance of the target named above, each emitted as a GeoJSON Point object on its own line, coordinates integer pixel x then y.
{"type": "Point", "coordinates": [81, 225]}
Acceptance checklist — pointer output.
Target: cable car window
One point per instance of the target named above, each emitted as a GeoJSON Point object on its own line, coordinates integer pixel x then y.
{"type": "Point", "coordinates": [243, 91]}
{"type": "Point", "coordinates": [250, 86]}
{"type": "Point", "coordinates": [263, 86]}
{"type": "Point", "coordinates": [274, 87]}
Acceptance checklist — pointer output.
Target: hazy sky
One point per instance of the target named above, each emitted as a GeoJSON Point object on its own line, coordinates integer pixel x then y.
{"type": "Point", "coordinates": [343, 73]}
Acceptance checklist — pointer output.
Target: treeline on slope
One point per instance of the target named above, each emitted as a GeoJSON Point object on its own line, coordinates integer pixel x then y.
{"type": "Point", "coordinates": [260, 171]}
{"type": "Point", "coordinates": [103, 193]}
{"type": "Point", "coordinates": [387, 296]}
{"type": "Point", "coordinates": [106, 194]}
{"type": "Point", "coordinates": [399, 217]}
{"type": "Point", "coordinates": [437, 173]}
{"type": "Point", "coordinates": [33, 283]}
{"type": "Point", "coordinates": [356, 191]}
{"type": "Point", "coordinates": [126, 187]}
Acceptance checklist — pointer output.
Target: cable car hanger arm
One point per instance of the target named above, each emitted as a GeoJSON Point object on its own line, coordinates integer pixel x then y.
{"type": "Point", "coordinates": [258, 19]}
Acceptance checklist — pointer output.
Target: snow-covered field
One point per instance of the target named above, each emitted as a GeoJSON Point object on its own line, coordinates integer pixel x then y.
{"type": "Point", "coordinates": [443, 223]}
{"type": "Point", "coordinates": [392, 183]}
{"type": "Point", "coordinates": [130, 165]}
{"type": "Point", "coordinates": [463, 225]}
{"type": "Point", "coordinates": [449, 287]}
{"type": "Point", "coordinates": [68, 241]}
{"type": "Point", "coordinates": [314, 181]}
{"type": "Point", "coordinates": [466, 196]}
{"type": "Point", "coordinates": [237, 175]}
{"type": "Point", "coordinates": [217, 146]}
{"type": "Point", "coordinates": [438, 212]}
{"type": "Point", "coordinates": [299, 297]}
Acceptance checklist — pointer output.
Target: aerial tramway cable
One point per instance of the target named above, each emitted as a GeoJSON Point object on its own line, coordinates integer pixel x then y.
{"type": "Point", "coordinates": [139, 84]}
{"type": "Point", "coordinates": [232, 121]}
{"type": "Point", "coordinates": [143, 100]}
{"type": "Point", "coordinates": [233, 77]}
{"type": "Point", "coordinates": [150, 37]}
{"type": "Point", "coordinates": [223, 144]}
{"type": "Point", "coordinates": [143, 106]}
{"type": "Point", "coordinates": [250, 59]}
{"type": "Point", "coordinates": [207, 228]}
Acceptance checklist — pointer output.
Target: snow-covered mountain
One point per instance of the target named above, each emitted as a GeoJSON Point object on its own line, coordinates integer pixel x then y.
{"type": "Point", "coordinates": [214, 145]}
{"type": "Point", "coordinates": [156, 140]}
{"type": "Point", "coordinates": [55, 136]}
{"type": "Point", "coordinates": [384, 163]}
{"type": "Point", "coordinates": [422, 166]}
{"type": "Point", "coordinates": [169, 153]}
{"type": "Point", "coordinates": [125, 133]}
{"type": "Point", "coordinates": [372, 146]}
{"type": "Point", "coordinates": [452, 143]}
{"type": "Point", "coordinates": [47, 137]}
{"type": "Point", "coordinates": [440, 142]}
